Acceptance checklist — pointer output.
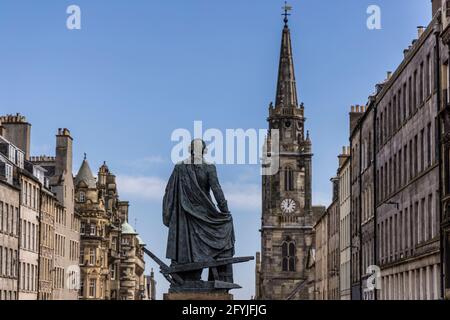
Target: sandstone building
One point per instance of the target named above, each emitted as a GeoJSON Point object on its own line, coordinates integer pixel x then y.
{"type": "Point", "coordinates": [397, 176]}
{"type": "Point", "coordinates": [321, 258]}
{"type": "Point", "coordinates": [111, 258]}
{"type": "Point", "coordinates": [444, 140]}
{"type": "Point", "coordinates": [11, 158]}
{"type": "Point", "coordinates": [66, 223]}
{"type": "Point", "coordinates": [343, 174]}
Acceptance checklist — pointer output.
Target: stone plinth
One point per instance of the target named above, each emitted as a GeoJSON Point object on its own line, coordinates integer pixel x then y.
{"type": "Point", "coordinates": [198, 296]}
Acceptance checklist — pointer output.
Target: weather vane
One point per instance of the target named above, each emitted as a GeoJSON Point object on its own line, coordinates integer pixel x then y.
{"type": "Point", "coordinates": [287, 8]}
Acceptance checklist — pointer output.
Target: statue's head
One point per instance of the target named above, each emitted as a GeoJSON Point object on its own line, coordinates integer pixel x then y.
{"type": "Point", "coordinates": [198, 148]}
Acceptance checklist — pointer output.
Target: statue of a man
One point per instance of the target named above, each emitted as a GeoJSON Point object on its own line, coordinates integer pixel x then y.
{"type": "Point", "coordinates": [198, 231]}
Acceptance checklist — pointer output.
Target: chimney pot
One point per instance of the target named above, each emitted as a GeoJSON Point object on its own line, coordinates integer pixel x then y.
{"type": "Point", "coordinates": [420, 31]}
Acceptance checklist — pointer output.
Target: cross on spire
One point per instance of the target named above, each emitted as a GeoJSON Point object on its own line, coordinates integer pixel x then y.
{"type": "Point", "coordinates": [287, 8]}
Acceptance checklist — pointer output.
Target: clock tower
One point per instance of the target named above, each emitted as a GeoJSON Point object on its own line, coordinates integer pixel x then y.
{"type": "Point", "coordinates": [285, 270]}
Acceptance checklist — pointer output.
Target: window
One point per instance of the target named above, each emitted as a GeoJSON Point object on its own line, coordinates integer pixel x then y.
{"type": "Point", "coordinates": [92, 285]}
{"type": "Point", "coordinates": [92, 256]}
{"type": "Point", "coordinates": [92, 230]}
{"type": "Point", "coordinates": [421, 83]}
{"type": "Point", "coordinates": [288, 255]}
{"type": "Point", "coordinates": [81, 291]}
{"type": "Point", "coordinates": [82, 196]}
{"type": "Point", "coordinates": [113, 272]}
{"type": "Point", "coordinates": [288, 179]}
{"type": "Point", "coordinates": [1, 216]}
{"type": "Point", "coordinates": [415, 96]}
{"type": "Point", "coordinates": [422, 150]}
{"type": "Point", "coordinates": [430, 217]}
{"type": "Point", "coordinates": [429, 145]}
{"type": "Point", "coordinates": [429, 75]}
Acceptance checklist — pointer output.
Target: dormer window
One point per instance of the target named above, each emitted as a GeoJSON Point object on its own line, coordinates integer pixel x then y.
{"type": "Point", "coordinates": [82, 197]}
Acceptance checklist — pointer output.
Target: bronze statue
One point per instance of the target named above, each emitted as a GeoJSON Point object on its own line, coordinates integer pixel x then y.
{"type": "Point", "coordinates": [198, 231]}
{"type": "Point", "coordinates": [201, 235]}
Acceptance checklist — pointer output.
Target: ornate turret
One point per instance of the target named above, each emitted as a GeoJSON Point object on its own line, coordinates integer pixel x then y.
{"type": "Point", "coordinates": [85, 175]}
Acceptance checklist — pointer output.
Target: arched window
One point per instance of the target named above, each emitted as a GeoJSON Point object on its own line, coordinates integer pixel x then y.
{"type": "Point", "coordinates": [288, 179]}
{"type": "Point", "coordinates": [82, 196]}
{"type": "Point", "coordinates": [288, 255]}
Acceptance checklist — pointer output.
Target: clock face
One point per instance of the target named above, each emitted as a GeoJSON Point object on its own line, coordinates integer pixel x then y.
{"type": "Point", "coordinates": [288, 206]}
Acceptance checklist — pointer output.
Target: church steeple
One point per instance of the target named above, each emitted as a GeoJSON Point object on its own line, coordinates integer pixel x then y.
{"type": "Point", "coordinates": [286, 86]}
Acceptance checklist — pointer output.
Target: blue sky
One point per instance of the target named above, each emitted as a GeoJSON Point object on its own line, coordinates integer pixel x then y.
{"type": "Point", "coordinates": [137, 70]}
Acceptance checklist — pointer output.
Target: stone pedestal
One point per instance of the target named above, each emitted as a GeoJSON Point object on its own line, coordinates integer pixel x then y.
{"type": "Point", "coordinates": [198, 296]}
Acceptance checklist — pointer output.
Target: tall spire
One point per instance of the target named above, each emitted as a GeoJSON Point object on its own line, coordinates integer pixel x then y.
{"type": "Point", "coordinates": [286, 86]}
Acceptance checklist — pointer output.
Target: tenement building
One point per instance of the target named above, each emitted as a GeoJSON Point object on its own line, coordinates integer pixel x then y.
{"type": "Point", "coordinates": [444, 140]}
{"type": "Point", "coordinates": [362, 205]}
{"type": "Point", "coordinates": [11, 160]}
{"type": "Point", "coordinates": [343, 174]}
{"type": "Point", "coordinates": [111, 259]}
{"type": "Point", "coordinates": [287, 237]}
{"type": "Point", "coordinates": [334, 252]}
{"type": "Point", "coordinates": [66, 224]}
{"type": "Point", "coordinates": [398, 152]}
{"type": "Point", "coordinates": [408, 207]}
{"type": "Point", "coordinates": [321, 259]}
{"type": "Point", "coordinates": [327, 247]}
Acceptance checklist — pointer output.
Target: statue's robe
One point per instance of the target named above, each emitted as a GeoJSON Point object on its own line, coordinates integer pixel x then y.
{"type": "Point", "coordinates": [198, 231]}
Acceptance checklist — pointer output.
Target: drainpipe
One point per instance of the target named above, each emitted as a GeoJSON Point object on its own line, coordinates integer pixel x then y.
{"type": "Point", "coordinates": [19, 237]}
{"type": "Point", "coordinates": [375, 190]}
{"type": "Point", "coordinates": [438, 86]}
{"type": "Point", "coordinates": [39, 244]}
{"type": "Point", "coordinates": [360, 210]}
{"type": "Point", "coordinates": [351, 217]}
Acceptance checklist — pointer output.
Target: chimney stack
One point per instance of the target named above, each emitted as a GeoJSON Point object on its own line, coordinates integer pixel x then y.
{"type": "Point", "coordinates": [342, 157]}
{"type": "Point", "coordinates": [389, 75]}
{"type": "Point", "coordinates": [63, 152]}
{"type": "Point", "coordinates": [420, 31]}
{"type": "Point", "coordinates": [355, 114]}
{"type": "Point", "coordinates": [17, 130]}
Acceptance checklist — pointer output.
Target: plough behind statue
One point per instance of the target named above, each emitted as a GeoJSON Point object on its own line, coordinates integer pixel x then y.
{"type": "Point", "coordinates": [177, 284]}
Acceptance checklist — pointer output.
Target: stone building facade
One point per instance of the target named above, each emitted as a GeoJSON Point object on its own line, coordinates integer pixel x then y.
{"type": "Point", "coordinates": [11, 160]}
{"type": "Point", "coordinates": [398, 168]}
{"type": "Point", "coordinates": [287, 236]}
{"type": "Point", "coordinates": [111, 260]}
{"type": "Point", "coordinates": [65, 271]}
{"type": "Point", "coordinates": [327, 247]}
{"type": "Point", "coordinates": [30, 202]}
{"type": "Point", "coordinates": [321, 258]}
{"type": "Point", "coordinates": [334, 252]}
{"type": "Point", "coordinates": [362, 195]}
{"type": "Point", "coordinates": [443, 7]}
{"type": "Point", "coordinates": [408, 202]}
{"type": "Point", "coordinates": [343, 174]}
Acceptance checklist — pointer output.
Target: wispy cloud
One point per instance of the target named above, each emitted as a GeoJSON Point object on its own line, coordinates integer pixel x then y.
{"type": "Point", "coordinates": [243, 196]}
{"type": "Point", "coordinates": [142, 187]}
{"type": "Point", "coordinates": [146, 162]}
{"type": "Point", "coordinates": [240, 196]}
